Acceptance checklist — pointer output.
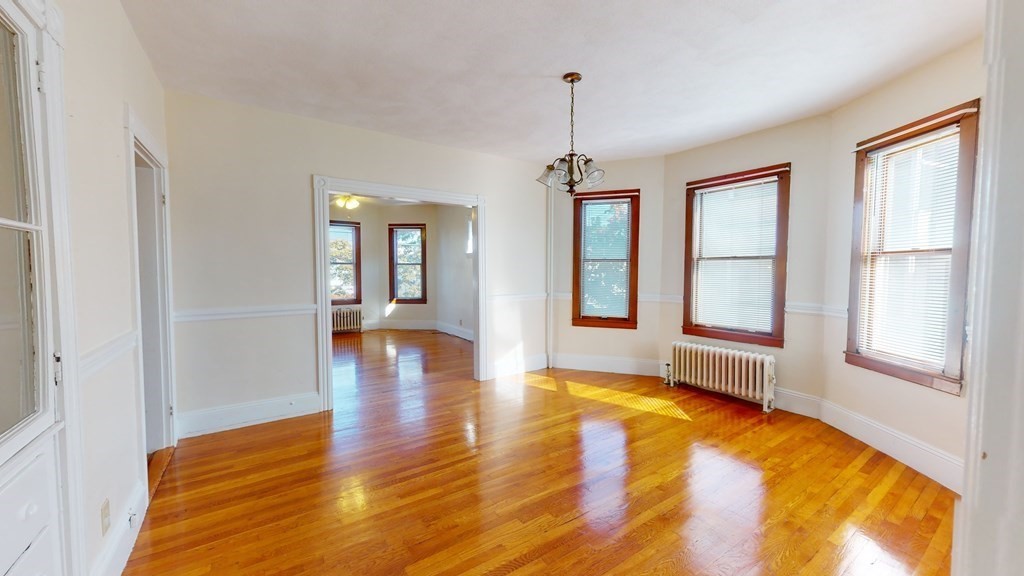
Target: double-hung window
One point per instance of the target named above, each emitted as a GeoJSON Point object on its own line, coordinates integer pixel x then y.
{"type": "Point", "coordinates": [606, 232]}
{"type": "Point", "coordinates": [345, 269]}
{"type": "Point", "coordinates": [408, 259]}
{"type": "Point", "coordinates": [735, 249]}
{"type": "Point", "coordinates": [912, 219]}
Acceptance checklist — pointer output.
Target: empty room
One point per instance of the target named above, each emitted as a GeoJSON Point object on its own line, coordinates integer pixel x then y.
{"type": "Point", "coordinates": [438, 288]}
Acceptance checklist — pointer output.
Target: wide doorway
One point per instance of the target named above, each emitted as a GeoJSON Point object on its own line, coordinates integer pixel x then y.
{"type": "Point", "coordinates": [398, 269]}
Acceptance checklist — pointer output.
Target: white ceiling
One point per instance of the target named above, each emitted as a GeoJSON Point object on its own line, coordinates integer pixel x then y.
{"type": "Point", "coordinates": [658, 75]}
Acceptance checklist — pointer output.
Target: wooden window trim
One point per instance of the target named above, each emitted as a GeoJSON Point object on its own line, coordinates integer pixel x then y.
{"type": "Point", "coordinates": [775, 338]}
{"type": "Point", "coordinates": [578, 319]}
{"type": "Point", "coordinates": [392, 277]}
{"type": "Point", "coordinates": [357, 263]}
{"type": "Point", "coordinates": [966, 115]}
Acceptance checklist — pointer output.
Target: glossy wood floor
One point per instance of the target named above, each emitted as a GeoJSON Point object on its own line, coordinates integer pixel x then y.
{"type": "Point", "coordinates": [421, 470]}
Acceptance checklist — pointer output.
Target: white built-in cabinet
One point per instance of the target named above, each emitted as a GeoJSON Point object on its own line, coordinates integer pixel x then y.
{"type": "Point", "coordinates": [35, 529]}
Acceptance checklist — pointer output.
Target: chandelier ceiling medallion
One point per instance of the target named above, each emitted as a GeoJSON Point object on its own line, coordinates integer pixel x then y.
{"type": "Point", "coordinates": [571, 170]}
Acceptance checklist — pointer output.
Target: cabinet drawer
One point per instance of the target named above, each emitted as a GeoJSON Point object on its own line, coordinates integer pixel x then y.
{"type": "Point", "coordinates": [27, 505]}
{"type": "Point", "coordinates": [41, 559]}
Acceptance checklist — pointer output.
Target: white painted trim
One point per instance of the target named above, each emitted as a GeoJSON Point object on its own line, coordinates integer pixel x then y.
{"type": "Point", "coordinates": [138, 130]}
{"type": "Point", "coordinates": [798, 403]}
{"type": "Point", "coordinates": [140, 141]}
{"type": "Point", "coordinates": [457, 331]}
{"type": "Point", "coordinates": [363, 188]}
{"type": "Point", "coordinates": [526, 297]}
{"type": "Point", "coordinates": [237, 313]}
{"type": "Point", "coordinates": [614, 364]}
{"type": "Point", "coordinates": [513, 366]}
{"type": "Point", "coordinates": [207, 420]}
{"type": "Point", "coordinates": [323, 186]}
{"type": "Point", "coordinates": [808, 308]}
{"type": "Point", "coordinates": [120, 540]}
{"type": "Point", "coordinates": [941, 466]}
{"type": "Point", "coordinates": [96, 359]}
{"type": "Point", "coordinates": [987, 540]}
{"type": "Point", "coordinates": [937, 464]}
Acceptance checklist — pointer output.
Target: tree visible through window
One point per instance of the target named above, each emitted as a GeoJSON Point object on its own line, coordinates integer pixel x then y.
{"type": "Point", "coordinates": [605, 268]}
{"type": "Point", "coordinates": [408, 255]}
{"type": "Point", "coordinates": [344, 258]}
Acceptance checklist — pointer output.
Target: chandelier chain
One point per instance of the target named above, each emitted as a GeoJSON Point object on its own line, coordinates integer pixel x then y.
{"type": "Point", "coordinates": [572, 117]}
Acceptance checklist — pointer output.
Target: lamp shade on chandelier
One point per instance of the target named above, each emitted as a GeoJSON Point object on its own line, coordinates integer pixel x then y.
{"type": "Point", "coordinates": [566, 173]}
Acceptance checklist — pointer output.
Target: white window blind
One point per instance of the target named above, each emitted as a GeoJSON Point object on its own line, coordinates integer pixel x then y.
{"type": "Point", "coordinates": [734, 255]}
{"type": "Point", "coordinates": [909, 223]}
{"type": "Point", "coordinates": [605, 265]}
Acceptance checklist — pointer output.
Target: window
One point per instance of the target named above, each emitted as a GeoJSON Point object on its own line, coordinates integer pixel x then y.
{"type": "Point", "coordinates": [911, 230]}
{"type": "Point", "coordinates": [345, 282]}
{"type": "Point", "coordinates": [606, 229]}
{"type": "Point", "coordinates": [408, 256]}
{"type": "Point", "coordinates": [735, 269]}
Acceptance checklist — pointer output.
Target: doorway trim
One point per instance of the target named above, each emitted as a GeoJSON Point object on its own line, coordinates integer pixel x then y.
{"type": "Point", "coordinates": [323, 187]}
{"type": "Point", "coordinates": [139, 141]}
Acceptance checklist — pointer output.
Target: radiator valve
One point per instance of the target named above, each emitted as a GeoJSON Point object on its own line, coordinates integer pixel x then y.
{"type": "Point", "coordinates": [668, 375]}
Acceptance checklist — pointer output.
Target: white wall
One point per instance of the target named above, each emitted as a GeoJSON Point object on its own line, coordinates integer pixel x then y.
{"type": "Point", "coordinates": [909, 416]}
{"type": "Point", "coordinates": [937, 418]}
{"type": "Point", "coordinates": [450, 277]}
{"type": "Point", "coordinates": [105, 67]}
{"type": "Point", "coordinates": [226, 156]}
{"type": "Point", "coordinates": [455, 280]}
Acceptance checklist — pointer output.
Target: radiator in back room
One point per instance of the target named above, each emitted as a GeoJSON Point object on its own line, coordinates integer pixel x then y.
{"type": "Point", "coordinates": [346, 320]}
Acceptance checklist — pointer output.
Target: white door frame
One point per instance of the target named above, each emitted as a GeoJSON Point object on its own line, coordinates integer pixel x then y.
{"type": "Point", "coordinates": [323, 187]}
{"type": "Point", "coordinates": [140, 141]}
{"type": "Point", "coordinates": [987, 528]}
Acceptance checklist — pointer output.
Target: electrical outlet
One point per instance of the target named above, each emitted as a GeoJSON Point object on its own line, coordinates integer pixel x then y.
{"type": "Point", "coordinates": [105, 515]}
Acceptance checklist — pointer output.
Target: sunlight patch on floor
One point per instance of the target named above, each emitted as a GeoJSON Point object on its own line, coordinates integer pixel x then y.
{"type": "Point", "coordinates": [624, 399]}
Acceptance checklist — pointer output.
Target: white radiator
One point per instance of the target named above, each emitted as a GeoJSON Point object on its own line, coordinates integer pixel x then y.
{"type": "Point", "coordinates": [745, 375]}
{"type": "Point", "coordinates": [347, 320]}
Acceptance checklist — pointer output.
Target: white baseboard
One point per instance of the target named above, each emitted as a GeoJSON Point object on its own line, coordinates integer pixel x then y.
{"type": "Point", "coordinates": [121, 539]}
{"type": "Point", "coordinates": [457, 331]}
{"type": "Point", "coordinates": [614, 364]}
{"type": "Point", "coordinates": [196, 422]}
{"type": "Point", "coordinates": [798, 403]}
{"type": "Point", "coordinates": [939, 465]}
{"type": "Point", "coordinates": [389, 324]}
{"type": "Point", "coordinates": [510, 366]}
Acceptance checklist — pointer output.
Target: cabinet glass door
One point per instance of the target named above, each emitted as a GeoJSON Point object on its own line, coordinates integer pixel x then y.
{"type": "Point", "coordinates": [25, 401]}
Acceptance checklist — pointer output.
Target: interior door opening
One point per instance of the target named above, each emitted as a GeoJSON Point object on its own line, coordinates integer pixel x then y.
{"type": "Point", "coordinates": [403, 290]}
{"type": "Point", "coordinates": [153, 304]}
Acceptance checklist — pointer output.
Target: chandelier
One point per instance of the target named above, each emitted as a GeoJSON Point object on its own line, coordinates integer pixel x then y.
{"type": "Point", "coordinates": [571, 170]}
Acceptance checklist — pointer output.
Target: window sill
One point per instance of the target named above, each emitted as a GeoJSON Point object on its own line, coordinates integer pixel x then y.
{"type": "Point", "coordinates": [346, 302]}
{"type": "Point", "coordinates": [735, 336]}
{"type": "Point", "coordinates": [592, 322]}
{"type": "Point", "coordinates": [409, 301]}
{"type": "Point", "coordinates": [917, 376]}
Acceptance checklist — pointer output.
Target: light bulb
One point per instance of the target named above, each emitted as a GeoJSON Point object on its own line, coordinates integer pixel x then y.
{"type": "Point", "coordinates": [351, 203]}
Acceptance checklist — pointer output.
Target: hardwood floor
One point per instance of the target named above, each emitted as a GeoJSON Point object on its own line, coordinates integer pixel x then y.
{"type": "Point", "coordinates": [421, 470]}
